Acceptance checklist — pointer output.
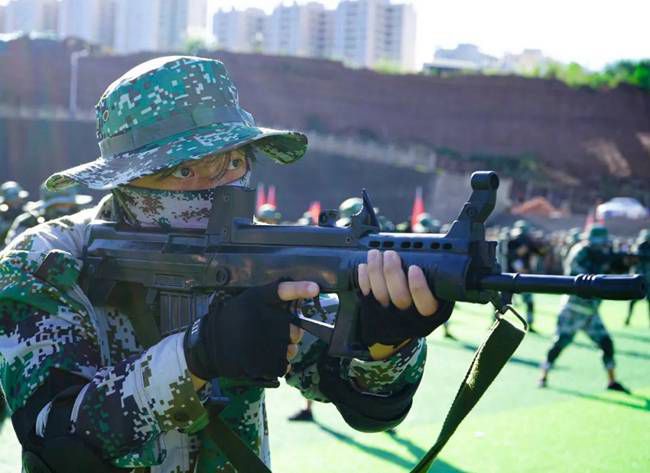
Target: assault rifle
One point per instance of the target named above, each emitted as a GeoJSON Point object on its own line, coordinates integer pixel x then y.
{"type": "Point", "coordinates": [178, 272]}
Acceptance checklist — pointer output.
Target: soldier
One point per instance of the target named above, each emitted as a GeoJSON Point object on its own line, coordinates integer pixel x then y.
{"type": "Point", "coordinates": [521, 248]}
{"type": "Point", "coordinates": [84, 392]}
{"type": "Point", "coordinates": [591, 256]}
{"type": "Point", "coordinates": [53, 204]}
{"type": "Point", "coordinates": [347, 209]}
{"type": "Point", "coordinates": [642, 250]}
{"type": "Point", "coordinates": [12, 199]}
{"type": "Point", "coordinates": [267, 213]}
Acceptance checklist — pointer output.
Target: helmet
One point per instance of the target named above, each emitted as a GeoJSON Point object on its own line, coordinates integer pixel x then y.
{"type": "Point", "coordinates": [520, 227]}
{"type": "Point", "coordinates": [267, 213]}
{"type": "Point", "coordinates": [167, 111]}
{"type": "Point", "coordinates": [11, 191]}
{"type": "Point", "coordinates": [350, 207]}
{"type": "Point", "coordinates": [50, 198]}
{"type": "Point", "coordinates": [385, 225]}
{"type": "Point", "coordinates": [644, 235]}
{"type": "Point", "coordinates": [426, 224]}
{"type": "Point", "coordinates": [598, 235]}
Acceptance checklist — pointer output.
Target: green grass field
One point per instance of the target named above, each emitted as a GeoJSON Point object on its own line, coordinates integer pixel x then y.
{"type": "Point", "coordinates": [574, 425]}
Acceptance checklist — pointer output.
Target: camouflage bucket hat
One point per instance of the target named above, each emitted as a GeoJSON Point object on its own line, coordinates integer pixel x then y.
{"type": "Point", "coordinates": [170, 110]}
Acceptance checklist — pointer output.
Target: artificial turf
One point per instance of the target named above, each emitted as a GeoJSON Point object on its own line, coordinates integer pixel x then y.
{"type": "Point", "coordinates": [574, 425]}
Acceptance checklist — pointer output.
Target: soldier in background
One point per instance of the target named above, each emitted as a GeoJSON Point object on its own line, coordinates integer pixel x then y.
{"type": "Point", "coordinates": [52, 204]}
{"type": "Point", "coordinates": [642, 250]}
{"type": "Point", "coordinates": [591, 256]}
{"type": "Point", "coordinates": [12, 199]}
{"type": "Point", "coordinates": [267, 213]}
{"type": "Point", "coordinates": [521, 248]}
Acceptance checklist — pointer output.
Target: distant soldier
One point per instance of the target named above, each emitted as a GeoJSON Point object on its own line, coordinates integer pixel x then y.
{"type": "Point", "coordinates": [12, 199]}
{"type": "Point", "coordinates": [642, 249]}
{"type": "Point", "coordinates": [267, 213]}
{"type": "Point", "coordinates": [521, 248]}
{"type": "Point", "coordinates": [591, 256]}
{"type": "Point", "coordinates": [53, 204]}
{"type": "Point", "coordinates": [426, 224]}
{"type": "Point", "coordinates": [347, 209]}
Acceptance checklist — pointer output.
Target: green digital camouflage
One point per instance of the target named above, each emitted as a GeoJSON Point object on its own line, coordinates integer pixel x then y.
{"type": "Point", "coordinates": [139, 407]}
{"type": "Point", "coordinates": [578, 313]}
{"type": "Point", "coordinates": [167, 111]}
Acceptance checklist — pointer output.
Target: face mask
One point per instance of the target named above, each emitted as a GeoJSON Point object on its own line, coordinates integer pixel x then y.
{"type": "Point", "coordinates": [165, 210]}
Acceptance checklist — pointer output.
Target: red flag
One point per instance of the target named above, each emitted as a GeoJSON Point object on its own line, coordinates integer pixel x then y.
{"type": "Point", "coordinates": [314, 212]}
{"type": "Point", "coordinates": [418, 206]}
{"type": "Point", "coordinates": [261, 198]}
{"type": "Point", "coordinates": [270, 199]}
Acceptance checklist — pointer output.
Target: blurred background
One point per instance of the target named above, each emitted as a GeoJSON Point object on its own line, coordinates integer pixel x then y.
{"type": "Point", "coordinates": [405, 99]}
{"type": "Point", "coordinates": [553, 96]}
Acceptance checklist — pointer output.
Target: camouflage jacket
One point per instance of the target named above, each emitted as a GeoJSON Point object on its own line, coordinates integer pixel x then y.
{"type": "Point", "coordinates": [138, 407]}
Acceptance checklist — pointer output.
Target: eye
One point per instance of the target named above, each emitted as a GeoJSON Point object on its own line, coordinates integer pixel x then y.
{"type": "Point", "coordinates": [183, 172]}
{"type": "Point", "coordinates": [235, 163]}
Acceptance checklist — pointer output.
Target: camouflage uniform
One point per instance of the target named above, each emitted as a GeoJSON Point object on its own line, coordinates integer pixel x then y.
{"type": "Point", "coordinates": [138, 406]}
{"type": "Point", "coordinates": [51, 205]}
{"type": "Point", "coordinates": [578, 313]}
{"type": "Point", "coordinates": [642, 249]}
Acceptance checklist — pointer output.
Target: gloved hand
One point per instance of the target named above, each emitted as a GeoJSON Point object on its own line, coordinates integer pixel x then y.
{"type": "Point", "coordinates": [396, 306]}
{"type": "Point", "coordinates": [247, 336]}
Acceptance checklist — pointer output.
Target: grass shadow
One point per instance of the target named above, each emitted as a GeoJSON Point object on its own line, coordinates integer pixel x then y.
{"type": "Point", "coordinates": [417, 452]}
{"type": "Point", "coordinates": [619, 402]}
{"type": "Point", "coordinates": [530, 363]}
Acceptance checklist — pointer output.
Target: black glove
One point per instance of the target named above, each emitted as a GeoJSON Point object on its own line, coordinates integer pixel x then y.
{"type": "Point", "coordinates": [391, 326]}
{"type": "Point", "coordinates": [244, 337]}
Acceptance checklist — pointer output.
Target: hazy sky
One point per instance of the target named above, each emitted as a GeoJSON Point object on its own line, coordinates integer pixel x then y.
{"type": "Point", "coordinates": [591, 32]}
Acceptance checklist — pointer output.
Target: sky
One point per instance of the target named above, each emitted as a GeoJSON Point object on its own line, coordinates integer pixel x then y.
{"type": "Point", "coordinates": [590, 32]}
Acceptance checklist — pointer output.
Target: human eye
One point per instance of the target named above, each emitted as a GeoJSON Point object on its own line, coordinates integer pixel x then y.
{"type": "Point", "coordinates": [235, 163]}
{"type": "Point", "coordinates": [182, 172]}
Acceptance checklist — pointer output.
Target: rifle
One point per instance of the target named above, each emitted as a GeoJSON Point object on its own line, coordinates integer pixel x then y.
{"type": "Point", "coordinates": [178, 272]}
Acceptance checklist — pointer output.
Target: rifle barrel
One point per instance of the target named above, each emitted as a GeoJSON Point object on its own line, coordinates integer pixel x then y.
{"type": "Point", "coordinates": [601, 286]}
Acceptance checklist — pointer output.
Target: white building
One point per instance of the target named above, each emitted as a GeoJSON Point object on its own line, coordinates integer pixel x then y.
{"type": "Point", "coordinates": [173, 23]}
{"type": "Point", "coordinates": [397, 42]}
{"type": "Point", "coordinates": [525, 62]}
{"type": "Point", "coordinates": [137, 25]}
{"type": "Point", "coordinates": [150, 25]}
{"type": "Point", "coordinates": [92, 20]}
{"type": "Point", "coordinates": [300, 30]}
{"type": "Point", "coordinates": [197, 17]}
{"type": "Point", "coordinates": [468, 53]}
{"type": "Point", "coordinates": [3, 14]}
{"type": "Point", "coordinates": [31, 15]}
{"type": "Point", "coordinates": [241, 31]}
{"type": "Point", "coordinates": [370, 32]}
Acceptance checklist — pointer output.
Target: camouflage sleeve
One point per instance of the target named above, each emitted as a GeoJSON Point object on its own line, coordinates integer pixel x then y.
{"type": "Point", "coordinates": [124, 407]}
{"type": "Point", "coordinates": [384, 377]}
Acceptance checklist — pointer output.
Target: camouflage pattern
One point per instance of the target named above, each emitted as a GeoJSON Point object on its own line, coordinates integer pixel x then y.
{"type": "Point", "coordinates": [11, 191]}
{"type": "Point", "coordinates": [167, 111]}
{"type": "Point", "coordinates": [578, 313]}
{"type": "Point", "coordinates": [139, 407]}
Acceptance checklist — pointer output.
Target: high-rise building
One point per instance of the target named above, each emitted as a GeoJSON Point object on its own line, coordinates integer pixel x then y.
{"type": "Point", "coordinates": [3, 19]}
{"type": "Point", "coordinates": [173, 23]}
{"type": "Point", "coordinates": [105, 34]}
{"type": "Point", "coordinates": [197, 16]}
{"type": "Point", "coordinates": [137, 25]}
{"type": "Point", "coordinates": [300, 30]}
{"type": "Point", "coordinates": [358, 27]}
{"type": "Point", "coordinates": [150, 25]}
{"type": "Point", "coordinates": [242, 31]}
{"type": "Point", "coordinates": [31, 15]}
{"type": "Point", "coordinates": [397, 41]}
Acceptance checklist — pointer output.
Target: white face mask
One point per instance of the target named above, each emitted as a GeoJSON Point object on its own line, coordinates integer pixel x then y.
{"type": "Point", "coordinates": [165, 210]}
